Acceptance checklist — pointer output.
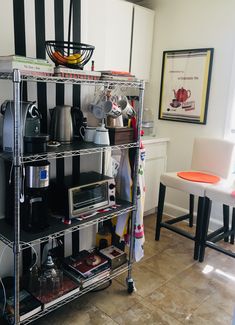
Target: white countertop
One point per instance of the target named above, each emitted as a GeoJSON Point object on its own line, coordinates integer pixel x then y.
{"type": "Point", "coordinates": [152, 139]}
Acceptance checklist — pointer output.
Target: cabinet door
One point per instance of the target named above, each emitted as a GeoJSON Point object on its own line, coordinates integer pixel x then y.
{"type": "Point", "coordinates": [107, 24]}
{"type": "Point", "coordinates": [155, 165]}
{"type": "Point", "coordinates": [142, 42]}
{"type": "Point", "coordinates": [93, 25]}
{"type": "Point", "coordinates": [153, 170]}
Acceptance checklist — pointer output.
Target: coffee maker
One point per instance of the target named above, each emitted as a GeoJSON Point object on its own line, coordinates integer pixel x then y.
{"type": "Point", "coordinates": [34, 196]}
{"type": "Point", "coordinates": [30, 121]}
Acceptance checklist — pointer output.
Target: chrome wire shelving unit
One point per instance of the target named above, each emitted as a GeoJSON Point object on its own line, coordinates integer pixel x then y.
{"type": "Point", "coordinates": [19, 241]}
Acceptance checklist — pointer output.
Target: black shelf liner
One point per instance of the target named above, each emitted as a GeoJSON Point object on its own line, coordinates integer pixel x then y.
{"type": "Point", "coordinates": [55, 225]}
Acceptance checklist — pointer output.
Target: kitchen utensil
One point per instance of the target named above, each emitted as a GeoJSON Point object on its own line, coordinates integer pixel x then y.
{"type": "Point", "coordinates": [37, 174]}
{"type": "Point", "coordinates": [61, 125]}
{"type": "Point", "coordinates": [89, 134]}
{"type": "Point", "coordinates": [114, 122]}
{"type": "Point", "coordinates": [101, 135]}
{"type": "Point", "coordinates": [36, 143]}
{"type": "Point", "coordinates": [65, 121]}
{"type": "Point", "coordinates": [79, 123]}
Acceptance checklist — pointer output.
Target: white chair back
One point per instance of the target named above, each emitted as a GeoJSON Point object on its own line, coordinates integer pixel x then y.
{"type": "Point", "coordinates": [212, 155]}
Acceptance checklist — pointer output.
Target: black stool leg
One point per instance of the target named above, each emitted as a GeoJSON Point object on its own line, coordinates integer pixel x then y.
{"type": "Point", "coordinates": [191, 207]}
{"type": "Point", "coordinates": [200, 211]}
{"type": "Point", "coordinates": [205, 226]}
{"type": "Point", "coordinates": [226, 220]}
{"type": "Point", "coordinates": [161, 198]}
{"type": "Point", "coordinates": [233, 227]}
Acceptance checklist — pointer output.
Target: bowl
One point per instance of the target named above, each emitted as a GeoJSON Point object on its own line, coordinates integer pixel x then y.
{"type": "Point", "coordinates": [69, 54]}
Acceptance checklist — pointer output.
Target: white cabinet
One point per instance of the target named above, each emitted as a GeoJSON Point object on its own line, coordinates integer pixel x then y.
{"type": "Point", "coordinates": [155, 165]}
{"type": "Point", "coordinates": [107, 24]}
{"type": "Point", "coordinates": [122, 34]}
{"type": "Point", "coordinates": [142, 39]}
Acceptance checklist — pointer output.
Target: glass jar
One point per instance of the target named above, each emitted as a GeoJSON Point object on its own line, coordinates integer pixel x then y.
{"type": "Point", "coordinates": [148, 122]}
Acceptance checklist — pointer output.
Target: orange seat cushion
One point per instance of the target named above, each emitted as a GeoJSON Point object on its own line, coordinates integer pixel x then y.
{"type": "Point", "coordinates": [199, 177]}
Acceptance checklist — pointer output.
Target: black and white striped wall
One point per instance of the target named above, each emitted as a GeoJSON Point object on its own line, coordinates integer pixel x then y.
{"type": "Point", "coordinates": [24, 27]}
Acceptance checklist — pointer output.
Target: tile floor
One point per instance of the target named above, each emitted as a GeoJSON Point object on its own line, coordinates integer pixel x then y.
{"type": "Point", "coordinates": [172, 288]}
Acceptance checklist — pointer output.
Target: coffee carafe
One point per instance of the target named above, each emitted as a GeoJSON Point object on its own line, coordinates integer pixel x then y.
{"type": "Point", "coordinates": [35, 206]}
{"type": "Point", "coordinates": [34, 195]}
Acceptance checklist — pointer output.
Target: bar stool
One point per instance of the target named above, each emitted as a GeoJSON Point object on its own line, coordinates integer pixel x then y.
{"type": "Point", "coordinates": [213, 156]}
{"type": "Point", "coordinates": [222, 195]}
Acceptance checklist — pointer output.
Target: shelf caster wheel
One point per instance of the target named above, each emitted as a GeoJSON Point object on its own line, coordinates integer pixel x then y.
{"type": "Point", "coordinates": [130, 286]}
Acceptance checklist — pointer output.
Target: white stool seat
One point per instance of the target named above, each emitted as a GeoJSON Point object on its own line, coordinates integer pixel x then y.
{"type": "Point", "coordinates": [222, 194]}
{"type": "Point", "coordinates": [172, 180]}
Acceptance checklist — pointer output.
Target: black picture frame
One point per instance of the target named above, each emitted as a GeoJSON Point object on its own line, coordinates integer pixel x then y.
{"type": "Point", "coordinates": [185, 85]}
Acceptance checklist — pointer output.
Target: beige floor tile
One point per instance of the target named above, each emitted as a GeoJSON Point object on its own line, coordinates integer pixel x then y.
{"type": "Point", "coordinates": [195, 281]}
{"type": "Point", "coordinates": [174, 301]}
{"type": "Point", "coordinates": [140, 314]}
{"type": "Point", "coordinates": [209, 314]}
{"type": "Point", "coordinates": [114, 300]}
{"type": "Point", "coordinates": [146, 280]}
{"type": "Point", "coordinates": [168, 266]}
{"type": "Point", "coordinates": [89, 315]}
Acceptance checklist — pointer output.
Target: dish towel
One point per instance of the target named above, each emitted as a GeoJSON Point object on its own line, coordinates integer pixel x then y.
{"type": "Point", "coordinates": [124, 190]}
{"type": "Point", "coordinates": [139, 223]}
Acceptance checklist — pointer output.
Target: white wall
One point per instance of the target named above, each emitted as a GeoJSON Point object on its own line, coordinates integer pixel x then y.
{"type": "Point", "coordinates": [185, 24]}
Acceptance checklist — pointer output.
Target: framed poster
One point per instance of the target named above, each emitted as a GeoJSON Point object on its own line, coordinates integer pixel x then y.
{"type": "Point", "coordinates": [185, 85]}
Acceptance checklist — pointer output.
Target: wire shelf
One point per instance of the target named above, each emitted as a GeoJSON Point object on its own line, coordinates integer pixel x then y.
{"type": "Point", "coordinates": [34, 239]}
{"type": "Point", "coordinates": [78, 81]}
{"type": "Point", "coordinates": [66, 151]}
{"type": "Point", "coordinates": [113, 275]}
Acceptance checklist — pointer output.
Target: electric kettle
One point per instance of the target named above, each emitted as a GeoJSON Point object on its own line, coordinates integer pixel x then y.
{"type": "Point", "coordinates": [62, 126]}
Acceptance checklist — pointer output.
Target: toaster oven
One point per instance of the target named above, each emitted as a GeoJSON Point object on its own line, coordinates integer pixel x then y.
{"type": "Point", "coordinates": [93, 191]}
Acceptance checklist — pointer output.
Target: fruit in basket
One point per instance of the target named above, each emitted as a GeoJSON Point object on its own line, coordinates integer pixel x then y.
{"type": "Point", "coordinates": [78, 57]}
{"type": "Point", "coordinates": [73, 58]}
{"type": "Point", "coordinates": [59, 57]}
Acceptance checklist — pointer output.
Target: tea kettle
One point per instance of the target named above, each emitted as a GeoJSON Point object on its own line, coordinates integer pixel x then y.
{"type": "Point", "coordinates": [64, 123]}
{"type": "Point", "coordinates": [181, 95]}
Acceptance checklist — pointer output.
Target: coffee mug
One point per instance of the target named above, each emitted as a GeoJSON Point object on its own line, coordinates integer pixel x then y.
{"type": "Point", "coordinates": [115, 112]}
{"type": "Point", "coordinates": [89, 134]}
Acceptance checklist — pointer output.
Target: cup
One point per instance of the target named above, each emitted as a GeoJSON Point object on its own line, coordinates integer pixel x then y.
{"type": "Point", "coordinates": [115, 112]}
{"type": "Point", "coordinates": [128, 111]}
{"type": "Point", "coordinates": [101, 136]}
{"type": "Point", "coordinates": [89, 134]}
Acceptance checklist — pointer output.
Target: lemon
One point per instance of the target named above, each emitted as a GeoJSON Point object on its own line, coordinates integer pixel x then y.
{"type": "Point", "coordinates": [71, 59]}
{"type": "Point", "coordinates": [78, 56]}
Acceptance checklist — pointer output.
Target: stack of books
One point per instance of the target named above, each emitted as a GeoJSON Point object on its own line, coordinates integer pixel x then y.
{"type": "Point", "coordinates": [49, 297]}
{"type": "Point", "coordinates": [29, 306]}
{"type": "Point", "coordinates": [117, 75]}
{"type": "Point", "coordinates": [26, 65]}
{"type": "Point", "coordinates": [87, 268]}
{"type": "Point", "coordinates": [61, 71]}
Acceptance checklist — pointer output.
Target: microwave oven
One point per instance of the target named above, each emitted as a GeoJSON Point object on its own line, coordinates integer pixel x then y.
{"type": "Point", "coordinates": [92, 192]}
